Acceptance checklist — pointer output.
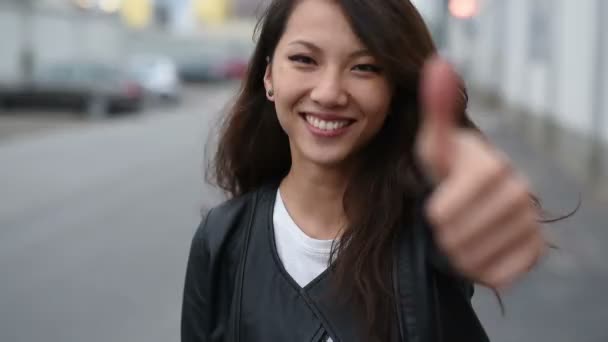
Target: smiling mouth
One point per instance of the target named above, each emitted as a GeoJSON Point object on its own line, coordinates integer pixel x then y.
{"type": "Point", "coordinates": [326, 125]}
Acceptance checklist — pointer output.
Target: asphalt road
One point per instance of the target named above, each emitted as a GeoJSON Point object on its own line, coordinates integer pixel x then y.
{"type": "Point", "coordinates": [96, 220]}
{"type": "Point", "coordinates": [95, 223]}
{"type": "Point", "coordinates": [564, 299]}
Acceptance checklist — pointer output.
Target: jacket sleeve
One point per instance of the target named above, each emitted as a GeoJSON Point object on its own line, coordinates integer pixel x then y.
{"type": "Point", "coordinates": [196, 305]}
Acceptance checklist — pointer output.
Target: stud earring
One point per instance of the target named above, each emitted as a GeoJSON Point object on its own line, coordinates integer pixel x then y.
{"type": "Point", "coordinates": [270, 93]}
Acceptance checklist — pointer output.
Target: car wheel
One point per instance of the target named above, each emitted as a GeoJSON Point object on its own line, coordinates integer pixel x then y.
{"type": "Point", "coordinates": [96, 108]}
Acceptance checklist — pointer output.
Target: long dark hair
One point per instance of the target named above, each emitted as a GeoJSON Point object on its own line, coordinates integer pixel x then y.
{"type": "Point", "coordinates": [253, 150]}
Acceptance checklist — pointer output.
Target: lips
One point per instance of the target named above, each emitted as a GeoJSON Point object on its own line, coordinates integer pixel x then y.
{"type": "Point", "coordinates": [326, 124]}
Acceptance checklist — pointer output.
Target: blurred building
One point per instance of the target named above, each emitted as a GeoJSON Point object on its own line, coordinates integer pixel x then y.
{"type": "Point", "coordinates": [546, 60]}
{"type": "Point", "coordinates": [38, 33]}
{"type": "Point", "coordinates": [189, 16]}
{"type": "Point", "coordinates": [211, 11]}
{"type": "Point", "coordinates": [247, 8]}
{"type": "Point", "coordinates": [56, 4]}
{"type": "Point", "coordinates": [136, 13]}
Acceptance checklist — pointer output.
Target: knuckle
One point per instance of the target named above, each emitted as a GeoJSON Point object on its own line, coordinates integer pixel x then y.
{"type": "Point", "coordinates": [519, 193]}
{"type": "Point", "coordinates": [499, 277]}
{"type": "Point", "coordinates": [424, 150]}
{"type": "Point", "coordinates": [473, 262]}
{"type": "Point", "coordinates": [496, 282]}
{"type": "Point", "coordinates": [522, 190]}
{"type": "Point", "coordinates": [527, 260]}
{"type": "Point", "coordinates": [532, 217]}
{"type": "Point", "coordinates": [435, 212]}
{"type": "Point", "coordinates": [532, 233]}
{"type": "Point", "coordinates": [498, 166]}
{"type": "Point", "coordinates": [539, 249]}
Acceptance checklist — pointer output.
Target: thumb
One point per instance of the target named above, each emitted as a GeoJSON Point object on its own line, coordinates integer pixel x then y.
{"type": "Point", "coordinates": [440, 93]}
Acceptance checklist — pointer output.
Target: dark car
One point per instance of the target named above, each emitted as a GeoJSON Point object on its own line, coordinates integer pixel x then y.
{"type": "Point", "coordinates": [202, 66]}
{"type": "Point", "coordinates": [95, 89]}
{"type": "Point", "coordinates": [214, 60]}
{"type": "Point", "coordinates": [236, 64]}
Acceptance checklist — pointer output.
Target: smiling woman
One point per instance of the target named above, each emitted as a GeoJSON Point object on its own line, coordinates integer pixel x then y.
{"type": "Point", "coordinates": [355, 213]}
{"type": "Point", "coordinates": [323, 81]}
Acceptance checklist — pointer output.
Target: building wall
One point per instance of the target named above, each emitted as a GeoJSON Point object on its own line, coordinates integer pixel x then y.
{"type": "Point", "coordinates": [247, 8]}
{"type": "Point", "coordinates": [603, 93]}
{"type": "Point", "coordinates": [55, 4]}
{"type": "Point", "coordinates": [559, 80]}
{"type": "Point", "coordinates": [576, 64]}
{"type": "Point", "coordinates": [546, 59]}
{"type": "Point", "coordinates": [55, 35]}
{"type": "Point", "coordinates": [10, 33]}
{"type": "Point", "coordinates": [53, 38]}
{"type": "Point", "coordinates": [516, 41]}
{"type": "Point", "coordinates": [487, 60]}
{"type": "Point", "coordinates": [538, 80]}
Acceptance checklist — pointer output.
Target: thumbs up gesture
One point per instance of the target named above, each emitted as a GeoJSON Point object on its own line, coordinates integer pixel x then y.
{"type": "Point", "coordinates": [482, 216]}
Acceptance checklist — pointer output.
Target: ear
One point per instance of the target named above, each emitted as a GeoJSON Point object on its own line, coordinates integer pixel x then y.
{"type": "Point", "coordinates": [268, 80]}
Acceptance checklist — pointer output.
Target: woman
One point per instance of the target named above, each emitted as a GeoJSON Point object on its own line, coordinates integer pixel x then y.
{"type": "Point", "coordinates": [364, 203]}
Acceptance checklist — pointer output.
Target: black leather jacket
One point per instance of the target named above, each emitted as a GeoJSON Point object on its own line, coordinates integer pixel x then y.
{"type": "Point", "coordinates": [237, 290]}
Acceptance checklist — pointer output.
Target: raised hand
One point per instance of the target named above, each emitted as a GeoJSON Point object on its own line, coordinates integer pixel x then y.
{"type": "Point", "coordinates": [481, 211]}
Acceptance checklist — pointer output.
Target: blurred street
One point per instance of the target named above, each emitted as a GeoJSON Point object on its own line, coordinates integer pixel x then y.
{"type": "Point", "coordinates": [562, 300]}
{"type": "Point", "coordinates": [96, 220]}
{"type": "Point", "coordinates": [106, 107]}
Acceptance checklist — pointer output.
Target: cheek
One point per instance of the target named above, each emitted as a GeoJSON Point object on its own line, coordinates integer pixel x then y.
{"type": "Point", "coordinates": [288, 84]}
{"type": "Point", "coordinates": [374, 102]}
{"type": "Point", "coordinates": [283, 107]}
{"type": "Point", "coordinates": [287, 95]}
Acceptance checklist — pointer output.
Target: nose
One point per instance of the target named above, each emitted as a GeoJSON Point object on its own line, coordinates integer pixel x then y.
{"type": "Point", "coordinates": [329, 91]}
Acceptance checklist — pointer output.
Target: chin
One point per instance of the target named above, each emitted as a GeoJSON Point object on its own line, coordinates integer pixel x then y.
{"type": "Point", "coordinates": [330, 155]}
{"type": "Point", "coordinates": [329, 160]}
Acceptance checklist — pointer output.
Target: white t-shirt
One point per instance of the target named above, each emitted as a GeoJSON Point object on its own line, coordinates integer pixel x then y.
{"type": "Point", "coordinates": [303, 257]}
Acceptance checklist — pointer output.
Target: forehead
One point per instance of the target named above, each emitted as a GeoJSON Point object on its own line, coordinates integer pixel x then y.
{"type": "Point", "coordinates": [322, 22]}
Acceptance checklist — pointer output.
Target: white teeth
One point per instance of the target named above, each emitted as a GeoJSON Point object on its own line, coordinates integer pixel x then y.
{"type": "Point", "coordinates": [326, 125]}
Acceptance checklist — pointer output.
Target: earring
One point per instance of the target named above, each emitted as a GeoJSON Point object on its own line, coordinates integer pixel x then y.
{"type": "Point", "coordinates": [270, 93]}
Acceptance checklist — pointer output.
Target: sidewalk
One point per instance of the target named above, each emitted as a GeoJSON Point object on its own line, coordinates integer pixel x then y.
{"type": "Point", "coordinates": [564, 299]}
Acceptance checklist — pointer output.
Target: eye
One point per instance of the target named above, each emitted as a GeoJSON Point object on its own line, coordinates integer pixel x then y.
{"type": "Point", "coordinates": [368, 68]}
{"type": "Point", "coordinates": [301, 59]}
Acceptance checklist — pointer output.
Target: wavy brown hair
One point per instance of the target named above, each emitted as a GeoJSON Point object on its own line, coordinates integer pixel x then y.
{"type": "Point", "coordinates": [253, 150]}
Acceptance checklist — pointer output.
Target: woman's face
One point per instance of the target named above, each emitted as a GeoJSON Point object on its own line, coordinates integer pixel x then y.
{"type": "Point", "coordinates": [331, 96]}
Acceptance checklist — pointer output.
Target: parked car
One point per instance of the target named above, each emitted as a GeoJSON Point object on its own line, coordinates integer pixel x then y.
{"type": "Point", "coordinates": [237, 61]}
{"type": "Point", "coordinates": [215, 60]}
{"type": "Point", "coordinates": [235, 69]}
{"type": "Point", "coordinates": [158, 76]}
{"type": "Point", "coordinates": [202, 66]}
{"type": "Point", "coordinates": [95, 89]}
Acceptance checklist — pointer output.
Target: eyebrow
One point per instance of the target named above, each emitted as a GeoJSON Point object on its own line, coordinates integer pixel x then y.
{"type": "Point", "coordinates": [358, 53]}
